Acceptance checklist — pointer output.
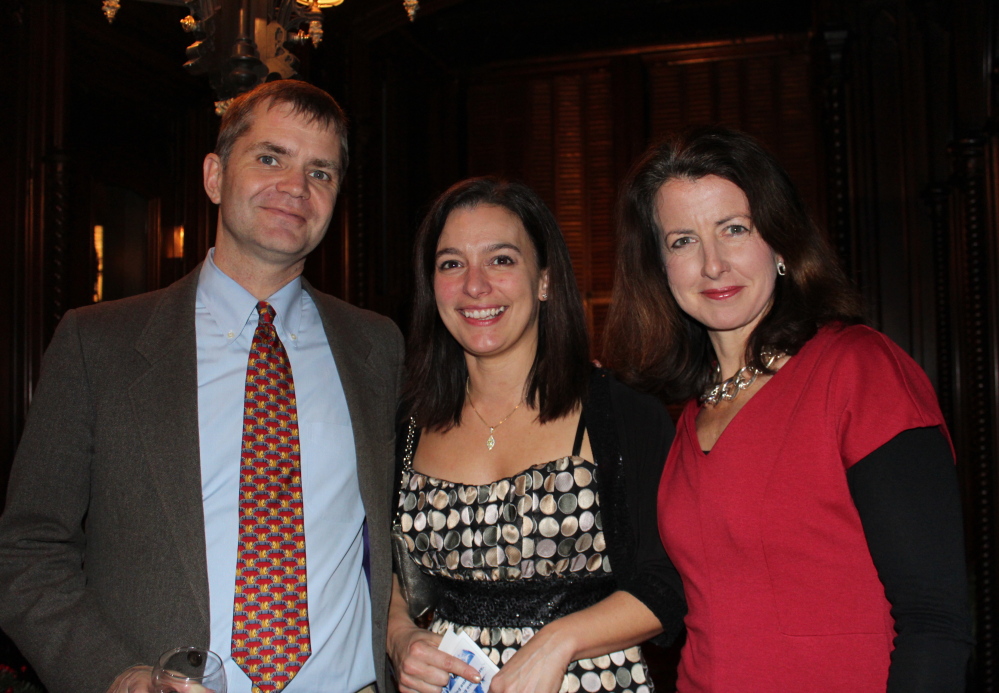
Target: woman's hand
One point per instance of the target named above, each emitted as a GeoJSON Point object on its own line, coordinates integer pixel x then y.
{"type": "Point", "coordinates": [539, 666]}
{"type": "Point", "coordinates": [419, 666]}
{"type": "Point", "coordinates": [613, 624]}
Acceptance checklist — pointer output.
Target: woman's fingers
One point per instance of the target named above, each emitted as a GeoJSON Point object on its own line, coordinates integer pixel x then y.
{"type": "Point", "coordinates": [425, 669]}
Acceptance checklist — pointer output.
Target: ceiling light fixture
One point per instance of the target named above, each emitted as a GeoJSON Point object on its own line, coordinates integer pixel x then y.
{"type": "Point", "coordinates": [241, 43]}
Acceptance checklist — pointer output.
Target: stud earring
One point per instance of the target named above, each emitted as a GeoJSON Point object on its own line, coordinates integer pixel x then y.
{"type": "Point", "coordinates": [781, 268]}
{"type": "Point", "coordinates": [544, 296]}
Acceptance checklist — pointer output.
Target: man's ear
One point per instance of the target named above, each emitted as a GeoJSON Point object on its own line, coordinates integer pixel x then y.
{"type": "Point", "coordinates": [212, 172]}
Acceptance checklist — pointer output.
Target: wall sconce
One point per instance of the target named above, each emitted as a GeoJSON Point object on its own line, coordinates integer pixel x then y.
{"type": "Point", "coordinates": [175, 244]}
{"type": "Point", "coordinates": [99, 256]}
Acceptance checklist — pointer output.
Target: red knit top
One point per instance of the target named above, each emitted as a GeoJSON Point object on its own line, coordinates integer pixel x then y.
{"type": "Point", "coordinates": [782, 592]}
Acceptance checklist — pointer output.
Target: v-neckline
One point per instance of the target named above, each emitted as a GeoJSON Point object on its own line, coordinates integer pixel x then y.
{"type": "Point", "coordinates": [696, 408]}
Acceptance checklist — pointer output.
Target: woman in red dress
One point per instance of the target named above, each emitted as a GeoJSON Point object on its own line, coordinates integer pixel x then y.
{"type": "Point", "coordinates": [810, 500]}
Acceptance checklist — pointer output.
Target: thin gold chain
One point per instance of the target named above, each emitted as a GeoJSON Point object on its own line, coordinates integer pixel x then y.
{"type": "Point", "coordinates": [490, 441]}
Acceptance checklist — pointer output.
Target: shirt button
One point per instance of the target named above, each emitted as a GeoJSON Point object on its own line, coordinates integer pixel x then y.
{"type": "Point", "coordinates": [294, 336]}
{"type": "Point", "coordinates": [230, 334]}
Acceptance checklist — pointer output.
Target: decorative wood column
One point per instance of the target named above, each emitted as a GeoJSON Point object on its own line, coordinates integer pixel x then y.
{"type": "Point", "coordinates": [974, 246]}
{"type": "Point", "coordinates": [34, 204]}
{"type": "Point", "coordinates": [834, 119]}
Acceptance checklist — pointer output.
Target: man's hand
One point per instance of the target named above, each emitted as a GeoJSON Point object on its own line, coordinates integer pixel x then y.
{"type": "Point", "coordinates": [133, 680]}
{"type": "Point", "coordinates": [139, 679]}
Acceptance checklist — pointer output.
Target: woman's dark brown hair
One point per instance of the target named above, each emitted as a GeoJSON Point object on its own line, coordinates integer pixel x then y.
{"type": "Point", "coordinates": [650, 341]}
{"type": "Point", "coordinates": [435, 386]}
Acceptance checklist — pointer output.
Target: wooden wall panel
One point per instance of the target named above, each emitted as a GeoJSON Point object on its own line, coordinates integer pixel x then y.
{"type": "Point", "coordinates": [567, 156]}
{"type": "Point", "coordinates": [974, 246]}
{"type": "Point", "coordinates": [767, 91]}
{"type": "Point", "coordinates": [912, 150]}
{"type": "Point", "coordinates": [540, 159]}
{"type": "Point", "coordinates": [601, 191]}
{"type": "Point", "coordinates": [554, 127]}
{"type": "Point", "coordinates": [570, 176]}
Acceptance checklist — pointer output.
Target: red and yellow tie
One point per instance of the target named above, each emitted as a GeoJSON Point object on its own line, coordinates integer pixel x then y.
{"type": "Point", "coordinates": [270, 629]}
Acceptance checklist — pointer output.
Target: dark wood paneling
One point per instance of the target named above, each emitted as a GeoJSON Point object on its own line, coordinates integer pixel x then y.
{"type": "Point", "coordinates": [906, 83]}
{"type": "Point", "coordinates": [554, 126]}
{"type": "Point", "coordinates": [974, 246]}
{"type": "Point", "coordinates": [859, 98]}
{"type": "Point", "coordinates": [90, 106]}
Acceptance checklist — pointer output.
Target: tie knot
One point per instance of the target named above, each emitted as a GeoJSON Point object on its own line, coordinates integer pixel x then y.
{"type": "Point", "coordinates": [266, 312]}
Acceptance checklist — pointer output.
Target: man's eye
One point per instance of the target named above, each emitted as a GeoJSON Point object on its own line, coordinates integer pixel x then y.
{"type": "Point", "coordinates": [321, 175]}
{"type": "Point", "coordinates": [267, 160]}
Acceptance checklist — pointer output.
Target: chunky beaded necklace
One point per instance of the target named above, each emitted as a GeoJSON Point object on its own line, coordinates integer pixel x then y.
{"type": "Point", "coordinates": [729, 389]}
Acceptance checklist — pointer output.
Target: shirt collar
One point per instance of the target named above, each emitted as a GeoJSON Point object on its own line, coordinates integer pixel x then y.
{"type": "Point", "coordinates": [234, 309]}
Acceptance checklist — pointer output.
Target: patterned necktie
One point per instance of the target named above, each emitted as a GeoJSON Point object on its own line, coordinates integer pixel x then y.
{"type": "Point", "coordinates": [270, 629]}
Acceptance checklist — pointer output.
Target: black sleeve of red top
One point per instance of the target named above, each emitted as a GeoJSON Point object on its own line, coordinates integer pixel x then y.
{"type": "Point", "coordinates": [906, 493]}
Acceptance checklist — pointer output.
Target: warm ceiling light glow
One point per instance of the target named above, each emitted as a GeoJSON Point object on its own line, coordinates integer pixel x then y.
{"type": "Point", "coordinates": [322, 3]}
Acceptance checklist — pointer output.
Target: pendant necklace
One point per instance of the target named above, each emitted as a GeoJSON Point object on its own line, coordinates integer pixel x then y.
{"type": "Point", "coordinates": [490, 441]}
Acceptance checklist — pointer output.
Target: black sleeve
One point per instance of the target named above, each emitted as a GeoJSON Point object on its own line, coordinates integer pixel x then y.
{"type": "Point", "coordinates": [644, 432]}
{"type": "Point", "coordinates": [906, 493]}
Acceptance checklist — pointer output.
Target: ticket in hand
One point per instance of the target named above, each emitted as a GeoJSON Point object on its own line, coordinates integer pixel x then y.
{"type": "Point", "coordinates": [465, 649]}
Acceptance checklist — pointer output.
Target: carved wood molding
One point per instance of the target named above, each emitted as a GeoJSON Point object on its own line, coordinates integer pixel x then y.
{"type": "Point", "coordinates": [834, 118]}
{"type": "Point", "coordinates": [56, 240]}
{"type": "Point", "coordinates": [973, 248]}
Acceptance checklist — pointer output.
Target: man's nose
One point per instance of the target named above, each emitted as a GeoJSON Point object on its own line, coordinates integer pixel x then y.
{"type": "Point", "coordinates": [294, 182]}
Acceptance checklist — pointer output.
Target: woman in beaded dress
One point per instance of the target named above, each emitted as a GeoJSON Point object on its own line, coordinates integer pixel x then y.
{"type": "Point", "coordinates": [528, 476]}
{"type": "Point", "coordinates": [810, 500]}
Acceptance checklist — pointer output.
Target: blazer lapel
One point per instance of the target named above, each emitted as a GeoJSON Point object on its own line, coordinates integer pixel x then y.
{"type": "Point", "coordinates": [168, 392]}
{"type": "Point", "coordinates": [351, 349]}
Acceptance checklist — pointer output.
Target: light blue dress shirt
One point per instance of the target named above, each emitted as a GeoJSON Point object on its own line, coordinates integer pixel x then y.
{"type": "Point", "coordinates": [339, 602]}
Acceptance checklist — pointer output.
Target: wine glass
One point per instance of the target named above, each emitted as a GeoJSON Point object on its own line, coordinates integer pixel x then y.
{"type": "Point", "coordinates": [189, 670]}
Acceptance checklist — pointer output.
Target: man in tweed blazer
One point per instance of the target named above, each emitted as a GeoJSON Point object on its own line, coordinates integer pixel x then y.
{"type": "Point", "coordinates": [104, 562]}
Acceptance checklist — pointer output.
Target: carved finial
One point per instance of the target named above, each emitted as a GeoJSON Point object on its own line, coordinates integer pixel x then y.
{"type": "Point", "coordinates": [316, 32]}
{"type": "Point", "coordinates": [189, 24]}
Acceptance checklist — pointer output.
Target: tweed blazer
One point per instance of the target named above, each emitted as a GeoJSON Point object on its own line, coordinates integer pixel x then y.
{"type": "Point", "coordinates": [102, 544]}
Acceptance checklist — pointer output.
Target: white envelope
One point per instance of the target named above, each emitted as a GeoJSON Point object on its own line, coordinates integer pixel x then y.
{"type": "Point", "coordinates": [465, 649]}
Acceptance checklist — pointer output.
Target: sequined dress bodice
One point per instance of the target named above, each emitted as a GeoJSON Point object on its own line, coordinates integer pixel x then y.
{"type": "Point", "coordinates": [542, 526]}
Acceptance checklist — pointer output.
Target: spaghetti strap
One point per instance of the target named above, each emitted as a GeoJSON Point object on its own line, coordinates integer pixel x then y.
{"type": "Point", "coordinates": [578, 443]}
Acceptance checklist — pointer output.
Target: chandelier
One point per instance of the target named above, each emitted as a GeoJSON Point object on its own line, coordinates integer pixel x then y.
{"type": "Point", "coordinates": [241, 43]}
{"type": "Point", "coordinates": [411, 6]}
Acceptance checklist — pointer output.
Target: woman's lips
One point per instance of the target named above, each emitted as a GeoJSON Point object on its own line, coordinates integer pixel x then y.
{"type": "Point", "coordinates": [721, 294]}
{"type": "Point", "coordinates": [482, 316]}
